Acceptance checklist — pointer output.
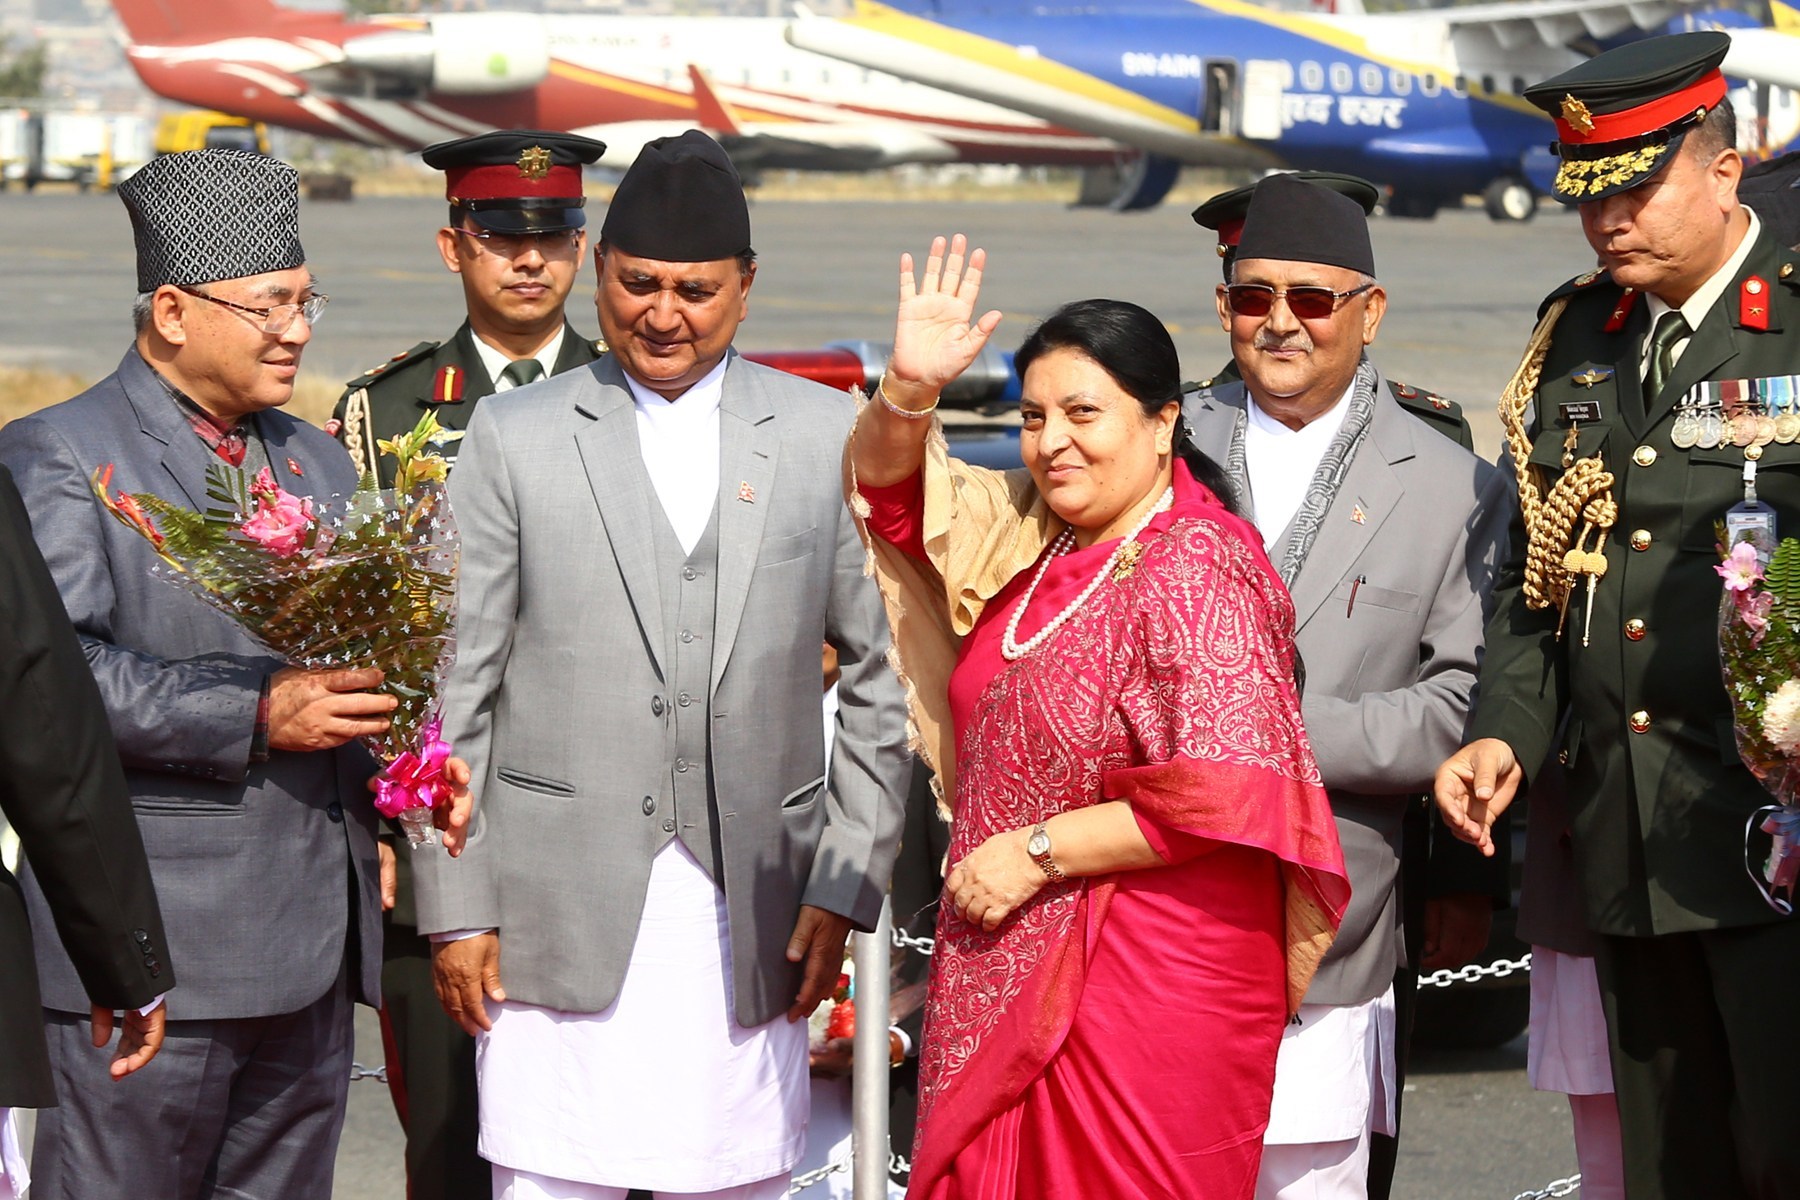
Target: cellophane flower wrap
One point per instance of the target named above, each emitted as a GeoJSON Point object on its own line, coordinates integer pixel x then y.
{"type": "Point", "coordinates": [1759, 651]}
{"type": "Point", "coordinates": [364, 580]}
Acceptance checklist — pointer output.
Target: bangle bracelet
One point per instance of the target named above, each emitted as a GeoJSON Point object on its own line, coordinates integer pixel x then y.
{"type": "Point", "coordinates": [911, 414]}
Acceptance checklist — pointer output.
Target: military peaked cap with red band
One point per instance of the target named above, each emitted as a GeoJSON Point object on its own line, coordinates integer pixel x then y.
{"type": "Point", "coordinates": [1224, 213]}
{"type": "Point", "coordinates": [1621, 115]}
{"type": "Point", "coordinates": [517, 180]}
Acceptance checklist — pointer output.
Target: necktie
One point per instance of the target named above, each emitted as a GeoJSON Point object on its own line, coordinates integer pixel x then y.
{"type": "Point", "coordinates": [522, 372]}
{"type": "Point", "coordinates": [1671, 328]}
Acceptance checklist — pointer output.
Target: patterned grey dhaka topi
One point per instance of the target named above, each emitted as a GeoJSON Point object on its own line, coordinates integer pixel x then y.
{"type": "Point", "coordinates": [205, 215]}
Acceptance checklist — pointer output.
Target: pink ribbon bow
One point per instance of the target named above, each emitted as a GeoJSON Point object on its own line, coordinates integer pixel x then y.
{"type": "Point", "coordinates": [415, 780]}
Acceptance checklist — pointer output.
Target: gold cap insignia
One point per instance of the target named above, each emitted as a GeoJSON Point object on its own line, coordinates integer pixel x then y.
{"type": "Point", "coordinates": [534, 162]}
{"type": "Point", "coordinates": [1576, 114]}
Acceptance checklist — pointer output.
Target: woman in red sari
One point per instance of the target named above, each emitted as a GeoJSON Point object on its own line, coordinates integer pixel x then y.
{"type": "Point", "coordinates": [1143, 867]}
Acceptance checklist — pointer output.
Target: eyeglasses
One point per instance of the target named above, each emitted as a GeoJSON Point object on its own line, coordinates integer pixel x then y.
{"type": "Point", "coordinates": [512, 245]}
{"type": "Point", "coordinates": [1309, 303]}
{"type": "Point", "coordinates": [278, 318]}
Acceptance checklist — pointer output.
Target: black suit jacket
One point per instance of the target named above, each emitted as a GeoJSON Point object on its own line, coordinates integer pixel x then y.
{"type": "Point", "coordinates": [63, 790]}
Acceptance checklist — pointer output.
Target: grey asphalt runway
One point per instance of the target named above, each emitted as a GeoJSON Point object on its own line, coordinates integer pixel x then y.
{"type": "Point", "coordinates": [1463, 293]}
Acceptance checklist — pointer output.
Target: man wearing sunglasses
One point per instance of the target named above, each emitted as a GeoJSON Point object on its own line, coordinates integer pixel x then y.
{"type": "Point", "coordinates": [246, 785]}
{"type": "Point", "coordinates": [1387, 535]}
{"type": "Point", "coordinates": [515, 237]}
{"type": "Point", "coordinates": [1654, 395]}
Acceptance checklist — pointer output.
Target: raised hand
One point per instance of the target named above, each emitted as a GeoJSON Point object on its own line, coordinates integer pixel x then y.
{"type": "Point", "coordinates": [935, 335]}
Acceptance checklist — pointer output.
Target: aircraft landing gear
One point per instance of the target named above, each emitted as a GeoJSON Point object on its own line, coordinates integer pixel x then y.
{"type": "Point", "coordinates": [1510, 198]}
{"type": "Point", "coordinates": [1413, 206]}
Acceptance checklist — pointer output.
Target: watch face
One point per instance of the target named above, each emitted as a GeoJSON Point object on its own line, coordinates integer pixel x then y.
{"type": "Point", "coordinates": [1039, 843]}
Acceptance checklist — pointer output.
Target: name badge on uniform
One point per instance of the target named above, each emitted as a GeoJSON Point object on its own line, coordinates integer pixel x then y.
{"type": "Point", "coordinates": [1750, 520]}
{"type": "Point", "coordinates": [1573, 411]}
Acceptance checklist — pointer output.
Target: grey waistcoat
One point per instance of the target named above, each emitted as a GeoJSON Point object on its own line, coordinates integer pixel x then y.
{"type": "Point", "coordinates": [688, 584]}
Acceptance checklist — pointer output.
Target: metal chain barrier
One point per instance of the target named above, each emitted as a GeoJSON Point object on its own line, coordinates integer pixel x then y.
{"type": "Point", "coordinates": [358, 1072]}
{"type": "Point", "coordinates": [1474, 971]}
{"type": "Point", "coordinates": [1562, 1187]}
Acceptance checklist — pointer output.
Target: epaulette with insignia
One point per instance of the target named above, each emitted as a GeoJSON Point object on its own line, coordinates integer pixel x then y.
{"type": "Point", "coordinates": [401, 359]}
{"type": "Point", "coordinates": [1445, 416]}
{"type": "Point", "coordinates": [1571, 287]}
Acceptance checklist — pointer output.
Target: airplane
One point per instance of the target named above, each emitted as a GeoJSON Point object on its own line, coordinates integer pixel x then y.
{"type": "Point", "coordinates": [1426, 102]}
{"type": "Point", "coordinates": [406, 82]}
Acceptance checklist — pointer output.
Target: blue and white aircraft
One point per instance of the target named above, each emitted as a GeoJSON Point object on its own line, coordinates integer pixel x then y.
{"type": "Point", "coordinates": [1426, 102]}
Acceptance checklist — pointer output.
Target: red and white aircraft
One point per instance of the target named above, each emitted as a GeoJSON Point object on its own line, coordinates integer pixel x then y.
{"type": "Point", "coordinates": [410, 81]}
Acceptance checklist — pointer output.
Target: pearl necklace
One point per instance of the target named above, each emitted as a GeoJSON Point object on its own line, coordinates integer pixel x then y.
{"type": "Point", "coordinates": [1010, 647]}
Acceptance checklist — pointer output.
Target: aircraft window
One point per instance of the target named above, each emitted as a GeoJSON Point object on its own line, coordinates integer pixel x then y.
{"type": "Point", "coordinates": [1371, 78]}
{"type": "Point", "coordinates": [825, 77]}
{"type": "Point", "coordinates": [1459, 86]}
{"type": "Point", "coordinates": [1312, 76]}
{"type": "Point", "coordinates": [1429, 85]}
{"type": "Point", "coordinates": [868, 76]}
{"type": "Point", "coordinates": [668, 75]}
{"type": "Point", "coordinates": [746, 79]}
{"type": "Point", "coordinates": [787, 75]}
{"type": "Point", "coordinates": [1400, 81]}
{"type": "Point", "coordinates": [1487, 84]}
{"type": "Point", "coordinates": [1518, 85]}
{"type": "Point", "coordinates": [1341, 77]}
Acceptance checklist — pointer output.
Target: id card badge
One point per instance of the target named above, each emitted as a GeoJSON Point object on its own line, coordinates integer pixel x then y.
{"type": "Point", "coordinates": [1750, 520]}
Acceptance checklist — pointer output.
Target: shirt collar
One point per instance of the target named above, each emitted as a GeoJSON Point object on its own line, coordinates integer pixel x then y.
{"type": "Point", "coordinates": [700, 400]}
{"type": "Point", "coordinates": [495, 361]}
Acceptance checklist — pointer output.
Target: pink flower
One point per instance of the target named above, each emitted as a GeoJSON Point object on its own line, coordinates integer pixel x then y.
{"type": "Point", "coordinates": [1755, 613]}
{"type": "Point", "coordinates": [281, 519]}
{"type": "Point", "coordinates": [1741, 568]}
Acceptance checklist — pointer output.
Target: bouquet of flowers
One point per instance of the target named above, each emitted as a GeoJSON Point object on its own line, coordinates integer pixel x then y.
{"type": "Point", "coordinates": [1759, 651]}
{"type": "Point", "coordinates": [364, 580]}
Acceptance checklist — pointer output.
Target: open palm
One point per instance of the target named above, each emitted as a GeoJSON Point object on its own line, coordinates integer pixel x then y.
{"type": "Point", "coordinates": [935, 338]}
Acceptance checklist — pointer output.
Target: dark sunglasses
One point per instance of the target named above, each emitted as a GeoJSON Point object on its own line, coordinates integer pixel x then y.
{"type": "Point", "coordinates": [1309, 303]}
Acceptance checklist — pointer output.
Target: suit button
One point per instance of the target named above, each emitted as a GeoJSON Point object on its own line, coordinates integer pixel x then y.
{"type": "Point", "coordinates": [1753, 452]}
{"type": "Point", "coordinates": [1640, 539]}
{"type": "Point", "coordinates": [649, 805]}
{"type": "Point", "coordinates": [1640, 721]}
{"type": "Point", "coordinates": [1643, 456]}
{"type": "Point", "coordinates": [687, 635]}
{"type": "Point", "coordinates": [1562, 756]}
{"type": "Point", "coordinates": [668, 824]}
{"type": "Point", "coordinates": [335, 811]}
{"type": "Point", "coordinates": [656, 705]}
{"type": "Point", "coordinates": [154, 967]}
{"type": "Point", "coordinates": [688, 573]}
{"type": "Point", "coordinates": [685, 700]}
{"type": "Point", "coordinates": [1634, 629]}
{"type": "Point", "coordinates": [141, 937]}
{"type": "Point", "coordinates": [682, 764]}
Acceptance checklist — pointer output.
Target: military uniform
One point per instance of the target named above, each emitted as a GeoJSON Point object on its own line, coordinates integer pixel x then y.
{"type": "Point", "coordinates": [447, 378]}
{"type": "Point", "coordinates": [507, 184]}
{"type": "Point", "coordinates": [1690, 958]}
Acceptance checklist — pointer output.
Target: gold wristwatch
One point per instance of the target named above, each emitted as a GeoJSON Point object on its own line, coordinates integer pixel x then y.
{"type": "Point", "coordinates": [1038, 846]}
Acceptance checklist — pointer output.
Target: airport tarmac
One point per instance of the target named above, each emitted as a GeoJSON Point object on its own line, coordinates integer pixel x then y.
{"type": "Point", "coordinates": [1463, 292]}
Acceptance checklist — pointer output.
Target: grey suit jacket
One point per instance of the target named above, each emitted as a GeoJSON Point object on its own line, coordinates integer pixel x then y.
{"type": "Point", "coordinates": [265, 871]}
{"type": "Point", "coordinates": [1390, 679]}
{"type": "Point", "coordinates": [557, 699]}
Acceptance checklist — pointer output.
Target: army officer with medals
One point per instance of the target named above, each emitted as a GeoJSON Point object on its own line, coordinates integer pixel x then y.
{"type": "Point", "coordinates": [516, 236]}
{"type": "Point", "coordinates": [1608, 609]}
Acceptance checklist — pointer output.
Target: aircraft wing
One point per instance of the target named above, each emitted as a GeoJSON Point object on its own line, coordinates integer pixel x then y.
{"type": "Point", "coordinates": [967, 65]}
{"type": "Point", "coordinates": [1517, 24]}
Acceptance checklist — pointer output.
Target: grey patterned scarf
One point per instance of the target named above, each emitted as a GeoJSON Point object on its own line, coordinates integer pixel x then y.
{"type": "Point", "coordinates": [1323, 488]}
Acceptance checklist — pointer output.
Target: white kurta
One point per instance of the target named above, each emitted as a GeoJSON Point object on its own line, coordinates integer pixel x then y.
{"type": "Point", "coordinates": [1334, 1074]}
{"type": "Point", "coordinates": [663, 1090]}
{"type": "Point", "coordinates": [1281, 463]}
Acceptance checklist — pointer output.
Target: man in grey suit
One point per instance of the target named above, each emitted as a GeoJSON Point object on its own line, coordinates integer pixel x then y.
{"type": "Point", "coordinates": [253, 810]}
{"type": "Point", "coordinates": [662, 867]}
{"type": "Point", "coordinates": [1387, 534]}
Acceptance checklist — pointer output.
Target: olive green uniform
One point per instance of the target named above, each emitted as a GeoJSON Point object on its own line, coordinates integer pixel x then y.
{"type": "Point", "coordinates": [388, 400]}
{"type": "Point", "coordinates": [431, 1061]}
{"type": "Point", "coordinates": [1693, 965]}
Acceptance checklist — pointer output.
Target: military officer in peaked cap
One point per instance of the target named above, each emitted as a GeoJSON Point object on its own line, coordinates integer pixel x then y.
{"type": "Point", "coordinates": [1651, 391]}
{"type": "Point", "coordinates": [516, 236]}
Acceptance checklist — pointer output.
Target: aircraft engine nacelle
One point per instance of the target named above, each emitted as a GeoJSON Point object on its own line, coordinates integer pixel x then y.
{"type": "Point", "coordinates": [461, 54]}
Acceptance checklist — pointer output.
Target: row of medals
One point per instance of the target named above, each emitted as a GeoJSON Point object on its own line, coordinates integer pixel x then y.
{"type": "Point", "coordinates": [1702, 420]}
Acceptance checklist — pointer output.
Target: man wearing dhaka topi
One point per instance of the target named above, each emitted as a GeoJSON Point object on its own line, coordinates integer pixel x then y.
{"type": "Point", "coordinates": [253, 808]}
{"type": "Point", "coordinates": [664, 863]}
